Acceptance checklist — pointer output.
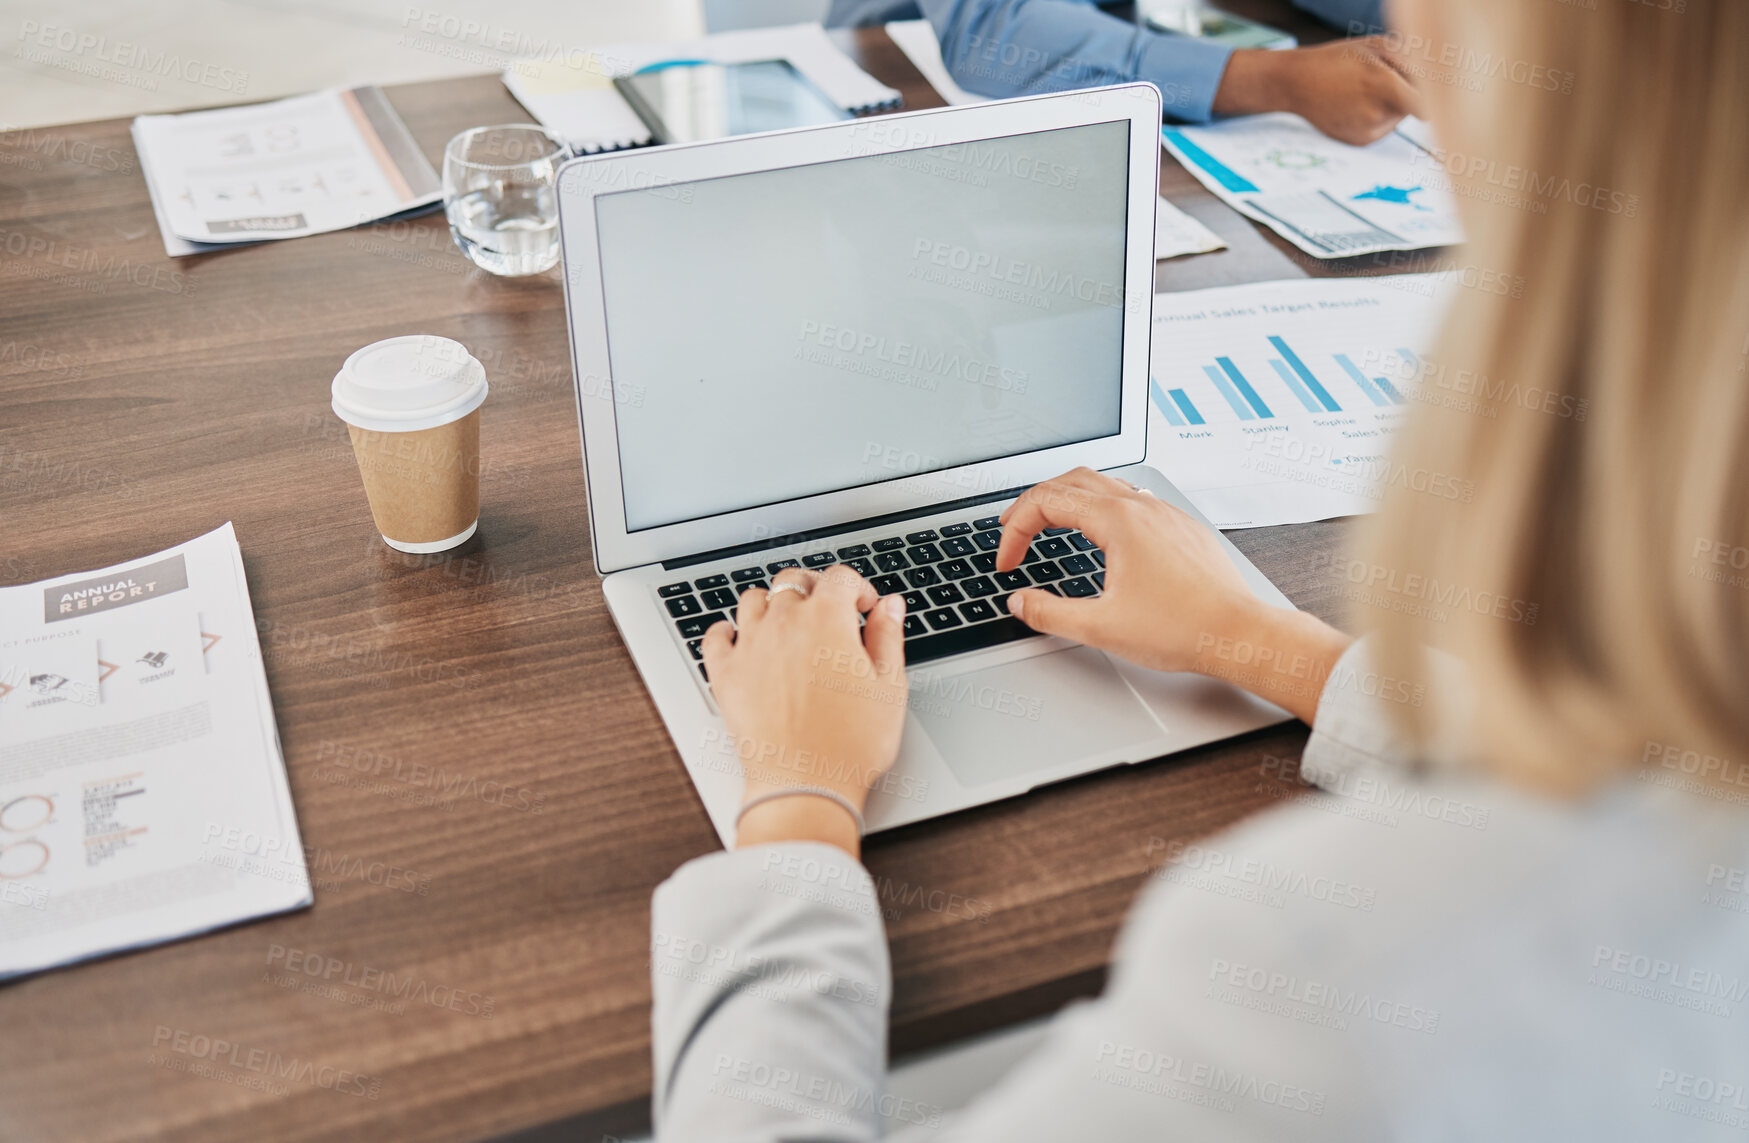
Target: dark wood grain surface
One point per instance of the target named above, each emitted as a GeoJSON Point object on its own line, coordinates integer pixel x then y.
{"type": "Point", "coordinates": [471, 721]}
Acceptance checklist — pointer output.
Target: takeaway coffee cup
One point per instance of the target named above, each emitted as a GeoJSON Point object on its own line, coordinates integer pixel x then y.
{"type": "Point", "coordinates": [412, 407]}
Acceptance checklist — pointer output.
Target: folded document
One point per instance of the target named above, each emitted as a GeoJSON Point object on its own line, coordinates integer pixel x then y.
{"type": "Point", "coordinates": [305, 165]}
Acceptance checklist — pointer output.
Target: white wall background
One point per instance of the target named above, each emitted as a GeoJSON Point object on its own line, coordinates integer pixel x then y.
{"type": "Point", "coordinates": [106, 58]}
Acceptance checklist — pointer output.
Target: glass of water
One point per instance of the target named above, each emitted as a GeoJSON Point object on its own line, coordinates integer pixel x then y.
{"type": "Point", "coordinates": [501, 197]}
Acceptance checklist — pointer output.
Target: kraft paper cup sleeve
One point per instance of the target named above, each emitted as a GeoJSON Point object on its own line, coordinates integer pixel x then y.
{"type": "Point", "coordinates": [412, 410]}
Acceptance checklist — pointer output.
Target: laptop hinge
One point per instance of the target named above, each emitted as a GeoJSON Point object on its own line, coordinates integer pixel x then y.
{"type": "Point", "coordinates": [840, 529]}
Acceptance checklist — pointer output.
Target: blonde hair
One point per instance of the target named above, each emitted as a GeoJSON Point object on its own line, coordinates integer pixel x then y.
{"type": "Point", "coordinates": [1598, 424]}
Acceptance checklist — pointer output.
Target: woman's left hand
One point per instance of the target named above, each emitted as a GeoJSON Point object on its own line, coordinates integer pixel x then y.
{"type": "Point", "coordinates": [810, 699]}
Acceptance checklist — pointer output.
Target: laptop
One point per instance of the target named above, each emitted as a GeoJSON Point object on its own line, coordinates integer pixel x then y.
{"type": "Point", "coordinates": [857, 343]}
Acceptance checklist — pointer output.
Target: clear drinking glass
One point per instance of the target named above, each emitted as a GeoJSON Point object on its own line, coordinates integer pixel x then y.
{"type": "Point", "coordinates": [500, 195]}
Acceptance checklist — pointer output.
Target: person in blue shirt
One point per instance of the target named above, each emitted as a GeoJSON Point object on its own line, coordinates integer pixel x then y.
{"type": "Point", "coordinates": [1351, 89]}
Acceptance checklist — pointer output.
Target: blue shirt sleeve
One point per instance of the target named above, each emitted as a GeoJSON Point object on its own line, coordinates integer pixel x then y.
{"type": "Point", "coordinates": [1024, 47]}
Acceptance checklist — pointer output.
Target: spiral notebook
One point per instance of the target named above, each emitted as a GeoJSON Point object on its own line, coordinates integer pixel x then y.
{"type": "Point", "coordinates": [571, 90]}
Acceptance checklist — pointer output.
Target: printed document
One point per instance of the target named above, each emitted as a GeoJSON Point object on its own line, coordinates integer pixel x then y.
{"type": "Point", "coordinates": [1276, 402]}
{"type": "Point", "coordinates": [305, 165]}
{"type": "Point", "coordinates": [143, 796]}
{"type": "Point", "coordinates": [1330, 199]}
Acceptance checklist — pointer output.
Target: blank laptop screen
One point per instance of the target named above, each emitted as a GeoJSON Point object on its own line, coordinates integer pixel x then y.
{"type": "Point", "coordinates": [785, 333]}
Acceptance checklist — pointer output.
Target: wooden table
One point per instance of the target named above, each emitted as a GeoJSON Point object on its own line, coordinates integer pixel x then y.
{"type": "Point", "coordinates": [472, 721]}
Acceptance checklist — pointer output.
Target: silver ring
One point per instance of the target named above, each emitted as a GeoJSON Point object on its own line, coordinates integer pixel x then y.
{"type": "Point", "coordinates": [795, 587]}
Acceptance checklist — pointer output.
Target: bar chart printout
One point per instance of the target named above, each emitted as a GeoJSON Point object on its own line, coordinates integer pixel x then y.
{"type": "Point", "coordinates": [1328, 198]}
{"type": "Point", "coordinates": [1275, 402]}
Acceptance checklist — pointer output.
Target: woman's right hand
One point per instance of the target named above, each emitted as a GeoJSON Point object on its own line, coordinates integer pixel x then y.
{"type": "Point", "coordinates": [1173, 600]}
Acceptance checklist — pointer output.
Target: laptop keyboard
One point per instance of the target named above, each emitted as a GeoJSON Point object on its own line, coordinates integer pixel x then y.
{"type": "Point", "coordinates": [955, 599]}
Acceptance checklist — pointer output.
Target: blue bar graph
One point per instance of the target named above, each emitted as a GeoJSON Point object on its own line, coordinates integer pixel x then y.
{"type": "Point", "coordinates": [1244, 386]}
{"type": "Point", "coordinates": [1293, 382]}
{"type": "Point", "coordinates": [1223, 174]}
{"type": "Point", "coordinates": [1372, 391]}
{"type": "Point", "coordinates": [1167, 408]}
{"type": "Point", "coordinates": [1230, 393]}
{"type": "Point", "coordinates": [1389, 389]}
{"type": "Point", "coordinates": [1299, 366]}
{"type": "Point", "coordinates": [1190, 413]}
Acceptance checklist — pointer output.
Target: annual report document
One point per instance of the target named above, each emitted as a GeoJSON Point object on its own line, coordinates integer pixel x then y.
{"type": "Point", "coordinates": [143, 796]}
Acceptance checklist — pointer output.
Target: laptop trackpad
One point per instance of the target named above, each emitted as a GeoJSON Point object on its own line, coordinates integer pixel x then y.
{"type": "Point", "coordinates": [1035, 714]}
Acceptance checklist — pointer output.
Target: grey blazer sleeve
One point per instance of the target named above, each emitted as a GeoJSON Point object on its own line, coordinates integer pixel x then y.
{"type": "Point", "coordinates": [1356, 729]}
{"type": "Point", "coordinates": [771, 984]}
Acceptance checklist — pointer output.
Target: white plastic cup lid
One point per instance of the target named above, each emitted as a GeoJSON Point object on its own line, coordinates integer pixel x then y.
{"type": "Point", "coordinates": [404, 384]}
